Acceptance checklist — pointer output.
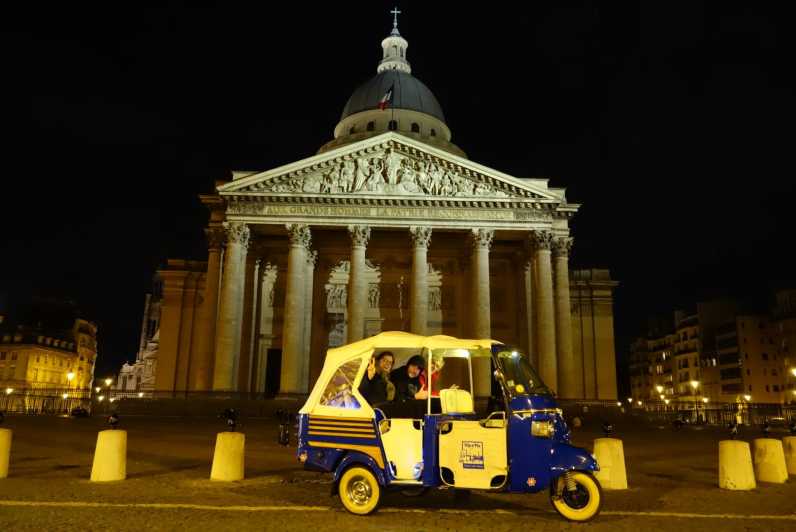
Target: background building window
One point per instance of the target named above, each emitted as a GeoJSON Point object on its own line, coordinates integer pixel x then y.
{"type": "Point", "coordinates": [415, 127]}
{"type": "Point", "coordinates": [393, 125]}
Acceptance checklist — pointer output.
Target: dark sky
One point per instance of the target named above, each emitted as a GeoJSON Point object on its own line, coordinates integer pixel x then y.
{"type": "Point", "coordinates": [670, 122]}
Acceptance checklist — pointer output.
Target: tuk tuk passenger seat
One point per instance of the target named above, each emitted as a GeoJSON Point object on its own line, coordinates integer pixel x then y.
{"type": "Point", "coordinates": [456, 401]}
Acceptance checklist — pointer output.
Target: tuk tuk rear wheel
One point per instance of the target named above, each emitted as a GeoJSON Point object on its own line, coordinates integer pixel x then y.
{"type": "Point", "coordinates": [580, 505]}
{"type": "Point", "coordinates": [359, 490]}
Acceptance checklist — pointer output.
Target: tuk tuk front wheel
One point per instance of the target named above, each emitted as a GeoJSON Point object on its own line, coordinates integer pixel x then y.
{"type": "Point", "coordinates": [581, 504]}
{"type": "Point", "coordinates": [359, 490]}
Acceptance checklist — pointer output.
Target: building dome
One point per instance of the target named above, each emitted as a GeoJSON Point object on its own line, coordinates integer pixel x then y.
{"type": "Point", "coordinates": [393, 100]}
{"type": "Point", "coordinates": [408, 93]}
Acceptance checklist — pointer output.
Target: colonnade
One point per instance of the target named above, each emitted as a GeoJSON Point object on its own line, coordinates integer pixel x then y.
{"type": "Point", "coordinates": [547, 303]}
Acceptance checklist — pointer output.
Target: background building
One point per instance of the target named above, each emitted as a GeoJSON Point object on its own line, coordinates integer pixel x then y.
{"type": "Point", "coordinates": [139, 376]}
{"type": "Point", "coordinates": [46, 352]}
{"type": "Point", "coordinates": [719, 354]}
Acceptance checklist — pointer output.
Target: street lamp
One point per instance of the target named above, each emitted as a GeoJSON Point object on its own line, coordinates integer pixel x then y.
{"type": "Point", "coordinates": [747, 398]}
{"type": "Point", "coordinates": [108, 382]}
{"type": "Point", "coordinates": [100, 398]}
{"type": "Point", "coordinates": [659, 388]}
{"type": "Point", "coordinates": [619, 403]}
{"type": "Point", "coordinates": [630, 400]}
{"type": "Point", "coordinates": [793, 370]}
{"type": "Point", "coordinates": [695, 385]}
{"type": "Point", "coordinates": [97, 389]}
{"type": "Point", "coordinates": [9, 391]}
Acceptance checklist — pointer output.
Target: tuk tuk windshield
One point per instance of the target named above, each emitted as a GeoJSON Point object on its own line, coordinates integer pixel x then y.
{"type": "Point", "coordinates": [519, 376]}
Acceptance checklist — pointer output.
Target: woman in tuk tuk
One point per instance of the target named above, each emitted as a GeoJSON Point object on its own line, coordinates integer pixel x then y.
{"type": "Point", "coordinates": [376, 386]}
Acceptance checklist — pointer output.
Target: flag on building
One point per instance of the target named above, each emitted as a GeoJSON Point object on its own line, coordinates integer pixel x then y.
{"type": "Point", "coordinates": [386, 99]}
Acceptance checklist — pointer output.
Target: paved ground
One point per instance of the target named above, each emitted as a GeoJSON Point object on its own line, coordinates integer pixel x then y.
{"type": "Point", "coordinates": [673, 479]}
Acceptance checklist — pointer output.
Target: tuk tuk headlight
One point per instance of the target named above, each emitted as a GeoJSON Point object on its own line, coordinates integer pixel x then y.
{"type": "Point", "coordinates": [542, 429]}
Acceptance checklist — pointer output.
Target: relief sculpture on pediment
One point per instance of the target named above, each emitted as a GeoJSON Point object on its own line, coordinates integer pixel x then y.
{"type": "Point", "coordinates": [387, 173]}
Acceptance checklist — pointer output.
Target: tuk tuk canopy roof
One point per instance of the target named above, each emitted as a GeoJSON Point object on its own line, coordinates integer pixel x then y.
{"type": "Point", "coordinates": [399, 339]}
{"type": "Point", "coordinates": [338, 356]}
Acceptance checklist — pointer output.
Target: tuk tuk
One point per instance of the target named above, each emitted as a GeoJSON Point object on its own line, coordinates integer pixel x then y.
{"type": "Point", "coordinates": [518, 444]}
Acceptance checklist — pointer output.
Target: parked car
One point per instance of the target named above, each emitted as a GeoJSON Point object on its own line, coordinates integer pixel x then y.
{"type": "Point", "coordinates": [79, 411]}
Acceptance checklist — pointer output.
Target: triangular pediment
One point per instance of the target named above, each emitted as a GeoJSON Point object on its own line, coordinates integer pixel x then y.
{"type": "Point", "coordinates": [390, 166]}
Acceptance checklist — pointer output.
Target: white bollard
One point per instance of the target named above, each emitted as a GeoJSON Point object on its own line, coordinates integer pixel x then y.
{"type": "Point", "coordinates": [735, 466]}
{"type": "Point", "coordinates": [110, 456]}
{"type": "Point", "coordinates": [228, 456]}
{"type": "Point", "coordinates": [610, 455]}
{"type": "Point", "coordinates": [789, 442]}
{"type": "Point", "coordinates": [770, 461]}
{"type": "Point", "coordinates": [5, 451]}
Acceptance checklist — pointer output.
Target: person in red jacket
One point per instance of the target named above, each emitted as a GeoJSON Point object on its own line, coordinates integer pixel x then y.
{"type": "Point", "coordinates": [436, 367]}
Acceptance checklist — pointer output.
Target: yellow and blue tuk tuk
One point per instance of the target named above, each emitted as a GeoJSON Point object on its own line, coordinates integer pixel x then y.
{"type": "Point", "coordinates": [517, 442]}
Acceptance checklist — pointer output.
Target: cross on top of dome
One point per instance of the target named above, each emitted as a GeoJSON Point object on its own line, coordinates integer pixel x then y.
{"type": "Point", "coordinates": [395, 14]}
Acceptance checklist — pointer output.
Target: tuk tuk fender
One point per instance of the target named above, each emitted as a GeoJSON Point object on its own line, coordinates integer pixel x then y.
{"type": "Point", "coordinates": [565, 457]}
{"type": "Point", "coordinates": [354, 458]}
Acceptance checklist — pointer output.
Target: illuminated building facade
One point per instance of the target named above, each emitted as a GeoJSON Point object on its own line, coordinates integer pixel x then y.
{"type": "Point", "coordinates": [388, 227]}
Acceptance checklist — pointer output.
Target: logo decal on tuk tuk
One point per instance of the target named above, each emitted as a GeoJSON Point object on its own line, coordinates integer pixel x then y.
{"type": "Point", "coordinates": [472, 455]}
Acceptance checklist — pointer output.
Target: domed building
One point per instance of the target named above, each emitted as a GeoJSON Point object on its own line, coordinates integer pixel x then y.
{"type": "Point", "coordinates": [389, 226]}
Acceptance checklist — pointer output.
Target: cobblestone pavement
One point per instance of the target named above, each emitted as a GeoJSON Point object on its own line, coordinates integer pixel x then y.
{"type": "Point", "coordinates": [672, 477]}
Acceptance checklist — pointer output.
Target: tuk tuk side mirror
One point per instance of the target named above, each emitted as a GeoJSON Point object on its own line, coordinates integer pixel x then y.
{"type": "Point", "coordinates": [542, 429]}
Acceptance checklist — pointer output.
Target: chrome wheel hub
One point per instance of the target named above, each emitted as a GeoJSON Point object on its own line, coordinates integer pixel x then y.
{"type": "Point", "coordinates": [359, 491]}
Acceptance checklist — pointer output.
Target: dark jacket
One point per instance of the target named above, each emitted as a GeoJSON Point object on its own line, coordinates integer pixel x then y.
{"type": "Point", "coordinates": [374, 391]}
{"type": "Point", "coordinates": [405, 386]}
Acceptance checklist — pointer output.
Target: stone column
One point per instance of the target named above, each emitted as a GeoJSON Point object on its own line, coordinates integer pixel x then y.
{"type": "Point", "coordinates": [228, 328]}
{"type": "Point", "coordinates": [481, 320]}
{"type": "Point", "coordinates": [357, 287]}
{"type": "Point", "coordinates": [545, 313]}
{"type": "Point", "coordinates": [254, 347]}
{"type": "Point", "coordinates": [533, 357]}
{"type": "Point", "coordinates": [293, 327]}
{"type": "Point", "coordinates": [570, 372]}
{"type": "Point", "coordinates": [309, 275]}
{"type": "Point", "coordinates": [202, 363]}
{"type": "Point", "coordinates": [418, 297]}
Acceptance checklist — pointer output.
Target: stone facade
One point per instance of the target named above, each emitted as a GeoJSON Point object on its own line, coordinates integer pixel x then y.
{"type": "Point", "coordinates": [139, 377]}
{"type": "Point", "coordinates": [33, 358]}
{"type": "Point", "coordinates": [394, 229]}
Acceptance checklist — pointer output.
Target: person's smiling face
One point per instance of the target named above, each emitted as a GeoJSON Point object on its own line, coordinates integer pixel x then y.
{"type": "Point", "coordinates": [385, 364]}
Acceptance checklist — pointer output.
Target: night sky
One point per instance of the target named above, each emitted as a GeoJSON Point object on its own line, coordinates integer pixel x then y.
{"type": "Point", "coordinates": [670, 122]}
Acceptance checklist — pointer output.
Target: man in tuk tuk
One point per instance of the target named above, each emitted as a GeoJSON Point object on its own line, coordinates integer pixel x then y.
{"type": "Point", "coordinates": [407, 380]}
{"type": "Point", "coordinates": [376, 387]}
